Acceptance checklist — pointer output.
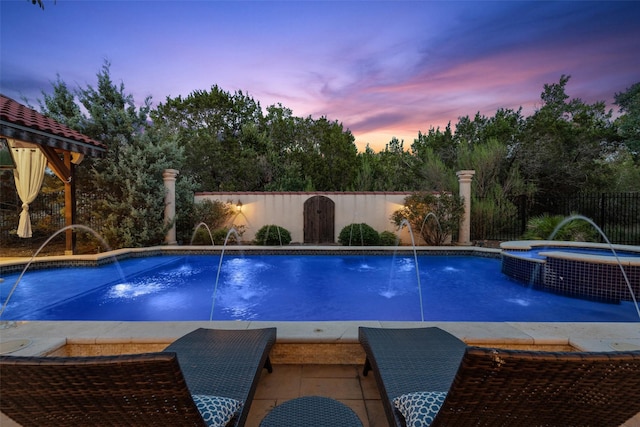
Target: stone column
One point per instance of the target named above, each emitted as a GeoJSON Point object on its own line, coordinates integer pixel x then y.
{"type": "Point", "coordinates": [169, 177]}
{"type": "Point", "coordinates": [464, 179]}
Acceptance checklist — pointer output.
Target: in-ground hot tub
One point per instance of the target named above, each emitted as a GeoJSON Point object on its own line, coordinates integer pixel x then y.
{"type": "Point", "coordinates": [584, 270]}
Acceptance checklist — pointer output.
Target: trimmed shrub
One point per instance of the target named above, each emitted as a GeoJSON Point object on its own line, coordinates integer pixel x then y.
{"type": "Point", "coordinates": [272, 235]}
{"type": "Point", "coordinates": [388, 238]}
{"type": "Point", "coordinates": [220, 235]}
{"type": "Point", "coordinates": [201, 237]}
{"type": "Point", "coordinates": [358, 235]}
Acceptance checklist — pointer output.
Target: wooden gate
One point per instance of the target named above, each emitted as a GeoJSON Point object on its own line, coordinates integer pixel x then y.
{"type": "Point", "coordinates": [319, 220]}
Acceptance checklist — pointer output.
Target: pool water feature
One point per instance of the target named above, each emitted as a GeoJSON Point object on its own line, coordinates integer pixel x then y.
{"type": "Point", "coordinates": [295, 288]}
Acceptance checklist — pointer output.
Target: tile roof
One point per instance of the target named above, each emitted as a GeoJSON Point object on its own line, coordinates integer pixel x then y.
{"type": "Point", "coordinates": [20, 122]}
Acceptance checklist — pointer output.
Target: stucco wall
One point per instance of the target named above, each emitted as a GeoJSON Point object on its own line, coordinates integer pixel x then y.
{"type": "Point", "coordinates": [287, 210]}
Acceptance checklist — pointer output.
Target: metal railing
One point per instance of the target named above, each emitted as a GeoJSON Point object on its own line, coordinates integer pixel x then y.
{"type": "Point", "coordinates": [618, 214]}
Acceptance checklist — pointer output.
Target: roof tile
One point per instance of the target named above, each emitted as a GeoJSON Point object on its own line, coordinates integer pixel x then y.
{"type": "Point", "coordinates": [13, 112]}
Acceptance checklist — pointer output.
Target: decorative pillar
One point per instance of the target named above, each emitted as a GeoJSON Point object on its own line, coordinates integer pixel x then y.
{"type": "Point", "coordinates": [464, 179]}
{"type": "Point", "coordinates": [169, 177]}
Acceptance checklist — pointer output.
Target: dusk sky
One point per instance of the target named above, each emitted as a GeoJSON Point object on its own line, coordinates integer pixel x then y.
{"type": "Point", "coordinates": [381, 68]}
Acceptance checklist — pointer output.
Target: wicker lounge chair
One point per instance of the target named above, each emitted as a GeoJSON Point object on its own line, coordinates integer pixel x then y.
{"type": "Point", "coordinates": [152, 389]}
{"type": "Point", "coordinates": [477, 386]}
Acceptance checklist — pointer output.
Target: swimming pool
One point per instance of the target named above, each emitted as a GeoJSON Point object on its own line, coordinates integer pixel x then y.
{"type": "Point", "coordinates": [294, 288]}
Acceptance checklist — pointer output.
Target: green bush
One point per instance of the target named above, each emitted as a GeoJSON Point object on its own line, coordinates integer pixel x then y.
{"type": "Point", "coordinates": [388, 238]}
{"type": "Point", "coordinates": [272, 235]}
{"type": "Point", "coordinates": [422, 207]}
{"type": "Point", "coordinates": [214, 213]}
{"type": "Point", "coordinates": [358, 235]}
{"type": "Point", "coordinates": [220, 234]}
{"type": "Point", "coordinates": [201, 237]}
{"type": "Point", "coordinates": [541, 228]}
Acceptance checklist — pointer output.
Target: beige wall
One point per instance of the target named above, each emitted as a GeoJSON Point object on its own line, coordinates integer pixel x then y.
{"type": "Point", "coordinates": [287, 210]}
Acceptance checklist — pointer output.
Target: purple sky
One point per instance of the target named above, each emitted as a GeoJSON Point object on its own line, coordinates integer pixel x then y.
{"type": "Point", "coordinates": [382, 68]}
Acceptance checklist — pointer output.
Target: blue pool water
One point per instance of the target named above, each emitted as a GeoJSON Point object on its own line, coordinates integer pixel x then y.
{"type": "Point", "coordinates": [294, 288]}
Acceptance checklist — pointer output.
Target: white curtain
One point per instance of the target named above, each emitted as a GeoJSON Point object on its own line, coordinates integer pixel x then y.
{"type": "Point", "coordinates": [28, 174]}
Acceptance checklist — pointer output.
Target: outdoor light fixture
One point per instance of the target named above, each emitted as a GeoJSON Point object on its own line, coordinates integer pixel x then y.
{"type": "Point", "coordinates": [239, 206]}
{"type": "Point", "coordinates": [6, 158]}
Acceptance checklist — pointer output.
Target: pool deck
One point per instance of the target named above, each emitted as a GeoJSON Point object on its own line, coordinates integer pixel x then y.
{"type": "Point", "coordinates": [310, 358]}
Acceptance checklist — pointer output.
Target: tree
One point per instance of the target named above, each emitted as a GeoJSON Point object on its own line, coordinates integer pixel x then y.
{"type": "Point", "coordinates": [565, 145]}
{"type": "Point", "coordinates": [434, 157]}
{"type": "Point", "coordinates": [368, 172]}
{"type": "Point", "coordinates": [282, 171]}
{"type": "Point", "coordinates": [113, 117]}
{"type": "Point", "coordinates": [61, 105]}
{"type": "Point", "coordinates": [221, 135]}
{"type": "Point", "coordinates": [629, 122]}
{"type": "Point", "coordinates": [134, 205]}
{"type": "Point", "coordinates": [396, 167]}
{"type": "Point", "coordinates": [331, 161]}
{"type": "Point", "coordinates": [128, 181]}
{"type": "Point", "coordinates": [438, 143]}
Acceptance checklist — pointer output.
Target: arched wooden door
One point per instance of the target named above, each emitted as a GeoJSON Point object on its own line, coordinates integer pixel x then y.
{"type": "Point", "coordinates": [319, 220]}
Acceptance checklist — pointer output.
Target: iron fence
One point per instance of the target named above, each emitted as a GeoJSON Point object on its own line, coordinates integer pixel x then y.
{"type": "Point", "coordinates": [617, 214]}
{"type": "Point", "coordinates": [46, 214]}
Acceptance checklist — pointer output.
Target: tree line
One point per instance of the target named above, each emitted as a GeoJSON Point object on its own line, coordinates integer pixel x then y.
{"type": "Point", "coordinates": [223, 141]}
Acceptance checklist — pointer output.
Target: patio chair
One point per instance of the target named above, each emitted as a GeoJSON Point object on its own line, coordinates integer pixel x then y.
{"type": "Point", "coordinates": [473, 386]}
{"type": "Point", "coordinates": [207, 377]}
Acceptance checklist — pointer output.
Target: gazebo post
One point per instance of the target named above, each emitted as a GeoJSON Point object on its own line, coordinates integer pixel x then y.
{"type": "Point", "coordinates": [69, 206]}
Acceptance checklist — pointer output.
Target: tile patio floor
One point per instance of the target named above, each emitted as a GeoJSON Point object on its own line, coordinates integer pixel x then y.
{"type": "Point", "coordinates": [344, 383]}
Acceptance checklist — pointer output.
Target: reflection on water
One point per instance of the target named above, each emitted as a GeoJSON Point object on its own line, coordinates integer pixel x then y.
{"type": "Point", "coordinates": [389, 293]}
{"type": "Point", "coordinates": [240, 288]}
{"type": "Point", "coordinates": [519, 301]}
{"type": "Point", "coordinates": [130, 290]}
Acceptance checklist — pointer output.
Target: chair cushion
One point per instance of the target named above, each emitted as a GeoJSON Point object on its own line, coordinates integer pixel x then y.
{"type": "Point", "coordinates": [216, 411]}
{"type": "Point", "coordinates": [420, 408]}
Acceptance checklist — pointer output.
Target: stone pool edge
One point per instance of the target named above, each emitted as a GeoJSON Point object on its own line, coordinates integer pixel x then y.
{"type": "Point", "coordinates": [45, 337]}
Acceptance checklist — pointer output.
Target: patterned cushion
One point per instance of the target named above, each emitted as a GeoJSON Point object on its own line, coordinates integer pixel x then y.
{"type": "Point", "coordinates": [216, 411]}
{"type": "Point", "coordinates": [420, 408]}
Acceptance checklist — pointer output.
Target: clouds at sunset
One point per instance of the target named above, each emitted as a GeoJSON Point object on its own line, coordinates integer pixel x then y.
{"type": "Point", "coordinates": [381, 68]}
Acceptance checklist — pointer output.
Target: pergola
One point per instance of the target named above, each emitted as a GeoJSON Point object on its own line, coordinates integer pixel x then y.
{"type": "Point", "coordinates": [22, 127]}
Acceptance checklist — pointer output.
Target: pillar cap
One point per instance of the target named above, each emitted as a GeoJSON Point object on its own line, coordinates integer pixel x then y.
{"type": "Point", "coordinates": [170, 173]}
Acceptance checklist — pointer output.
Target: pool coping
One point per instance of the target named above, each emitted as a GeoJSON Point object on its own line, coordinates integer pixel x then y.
{"type": "Point", "coordinates": [555, 251]}
{"type": "Point", "coordinates": [47, 336]}
{"type": "Point", "coordinates": [16, 264]}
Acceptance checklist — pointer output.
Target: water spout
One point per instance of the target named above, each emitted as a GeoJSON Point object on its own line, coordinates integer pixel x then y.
{"type": "Point", "coordinates": [215, 287]}
{"type": "Point", "coordinates": [33, 257]}
{"type": "Point", "coordinates": [195, 231]}
{"type": "Point", "coordinates": [415, 257]}
{"type": "Point", "coordinates": [266, 235]}
{"type": "Point", "coordinates": [424, 221]}
{"type": "Point", "coordinates": [606, 239]}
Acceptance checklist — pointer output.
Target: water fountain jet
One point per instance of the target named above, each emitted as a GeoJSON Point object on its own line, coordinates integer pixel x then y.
{"type": "Point", "coordinates": [606, 239]}
{"type": "Point", "coordinates": [195, 231]}
{"type": "Point", "coordinates": [215, 287]}
{"type": "Point", "coordinates": [33, 257]}
{"type": "Point", "coordinates": [403, 223]}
